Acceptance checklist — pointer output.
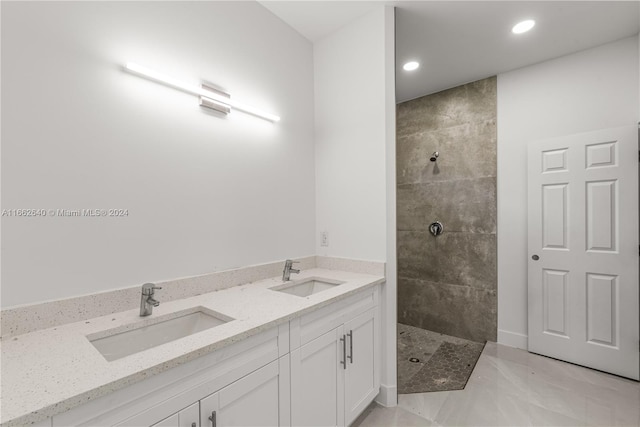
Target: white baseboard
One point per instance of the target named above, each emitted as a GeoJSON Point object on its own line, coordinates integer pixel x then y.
{"type": "Point", "coordinates": [388, 396]}
{"type": "Point", "coordinates": [512, 339]}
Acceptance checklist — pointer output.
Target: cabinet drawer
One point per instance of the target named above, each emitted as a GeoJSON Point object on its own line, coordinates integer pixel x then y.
{"type": "Point", "coordinates": [310, 326]}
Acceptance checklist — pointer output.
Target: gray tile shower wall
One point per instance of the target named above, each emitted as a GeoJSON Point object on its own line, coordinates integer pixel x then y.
{"type": "Point", "coordinates": [448, 284]}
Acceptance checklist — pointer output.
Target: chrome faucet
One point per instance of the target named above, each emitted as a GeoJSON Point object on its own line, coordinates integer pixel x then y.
{"type": "Point", "coordinates": [146, 300]}
{"type": "Point", "coordinates": [288, 269]}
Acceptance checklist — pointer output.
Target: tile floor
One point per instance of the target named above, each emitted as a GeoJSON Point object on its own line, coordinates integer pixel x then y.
{"type": "Point", "coordinates": [511, 387]}
{"type": "Point", "coordinates": [429, 361]}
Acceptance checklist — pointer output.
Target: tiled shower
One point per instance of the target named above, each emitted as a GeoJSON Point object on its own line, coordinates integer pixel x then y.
{"type": "Point", "coordinates": [448, 283]}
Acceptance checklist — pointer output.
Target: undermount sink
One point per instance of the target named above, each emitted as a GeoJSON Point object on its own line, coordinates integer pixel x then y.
{"type": "Point", "coordinates": [117, 343]}
{"type": "Point", "coordinates": [306, 287]}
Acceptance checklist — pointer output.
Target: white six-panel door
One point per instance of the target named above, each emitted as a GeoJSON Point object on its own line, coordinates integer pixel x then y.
{"type": "Point", "coordinates": [583, 249]}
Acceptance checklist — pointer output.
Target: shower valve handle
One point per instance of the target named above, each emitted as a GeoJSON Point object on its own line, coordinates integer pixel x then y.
{"type": "Point", "coordinates": [436, 228]}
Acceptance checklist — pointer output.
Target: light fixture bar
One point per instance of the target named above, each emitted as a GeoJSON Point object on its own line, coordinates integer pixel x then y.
{"type": "Point", "coordinates": [195, 90]}
{"type": "Point", "coordinates": [214, 105]}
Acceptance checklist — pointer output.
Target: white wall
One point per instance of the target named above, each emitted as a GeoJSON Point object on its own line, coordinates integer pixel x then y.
{"type": "Point", "coordinates": [389, 378]}
{"type": "Point", "coordinates": [203, 193]}
{"type": "Point", "coordinates": [350, 139]}
{"type": "Point", "coordinates": [355, 157]}
{"type": "Point", "coordinates": [594, 89]}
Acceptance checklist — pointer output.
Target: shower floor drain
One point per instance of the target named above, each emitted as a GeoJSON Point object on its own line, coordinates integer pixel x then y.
{"type": "Point", "coordinates": [414, 360]}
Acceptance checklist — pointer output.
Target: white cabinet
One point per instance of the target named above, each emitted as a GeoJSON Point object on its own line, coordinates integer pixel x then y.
{"type": "Point", "coordinates": [360, 386]}
{"type": "Point", "coordinates": [320, 369]}
{"type": "Point", "coordinates": [334, 377]}
{"type": "Point", "coordinates": [160, 397]}
{"type": "Point", "coordinates": [316, 383]}
{"type": "Point", "coordinates": [171, 421]}
{"type": "Point", "coordinates": [188, 417]}
{"type": "Point", "coordinates": [253, 400]}
{"type": "Point", "coordinates": [250, 401]}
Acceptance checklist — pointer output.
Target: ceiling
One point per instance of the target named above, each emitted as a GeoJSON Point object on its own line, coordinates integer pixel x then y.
{"type": "Point", "coordinates": [458, 42]}
{"type": "Point", "coordinates": [317, 19]}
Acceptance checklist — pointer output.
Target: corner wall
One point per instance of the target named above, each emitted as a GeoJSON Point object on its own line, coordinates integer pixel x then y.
{"type": "Point", "coordinates": [202, 193]}
{"type": "Point", "coordinates": [589, 90]}
{"type": "Point", "coordinates": [350, 140]}
{"type": "Point", "coordinates": [355, 178]}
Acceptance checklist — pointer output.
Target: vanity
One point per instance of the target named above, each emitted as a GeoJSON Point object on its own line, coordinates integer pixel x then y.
{"type": "Point", "coordinates": [267, 353]}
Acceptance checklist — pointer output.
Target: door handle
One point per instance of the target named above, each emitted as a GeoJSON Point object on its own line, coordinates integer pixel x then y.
{"type": "Point", "coordinates": [350, 334]}
{"type": "Point", "coordinates": [212, 418]}
{"type": "Point", "coordinates": [344, 352]}
{"type": "Point", "coordinates": [535, 257]}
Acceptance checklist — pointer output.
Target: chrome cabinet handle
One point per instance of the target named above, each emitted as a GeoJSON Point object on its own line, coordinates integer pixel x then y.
{"type": "Point", "coordinates": [344, 351]}
{"type": "Point", "coordinates": [350, 334]}
{"type": "Point", "coordinates": [212, 418]}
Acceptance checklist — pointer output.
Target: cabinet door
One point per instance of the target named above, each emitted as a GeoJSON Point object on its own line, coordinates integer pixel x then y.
{"type": "Point", "coordinates": [171, 421]}
{"type": "Point", "coordinates": [190, 416]}
{"type": "Point", "coordinates": [360, 383]}
{"type": "Point", "coordinates": [250, 401]}
{"type": "Point", "coordinates": [317, 382]}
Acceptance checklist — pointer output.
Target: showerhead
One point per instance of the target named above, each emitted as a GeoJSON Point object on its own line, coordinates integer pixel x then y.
{"type": "Point", "coordinates": [434, 156]}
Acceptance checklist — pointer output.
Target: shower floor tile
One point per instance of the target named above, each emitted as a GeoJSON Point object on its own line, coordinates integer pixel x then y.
{"type": "Point", "coordinates": [429, 361]}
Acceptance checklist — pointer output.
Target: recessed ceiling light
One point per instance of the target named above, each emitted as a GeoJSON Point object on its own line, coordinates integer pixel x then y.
{"type": "Point", "coordinates": [410, 66]}
{"type": "Point", "coordinates": [523, 27]}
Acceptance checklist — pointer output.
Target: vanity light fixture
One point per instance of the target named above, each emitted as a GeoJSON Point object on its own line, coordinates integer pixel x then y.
{"type": "Point", "coordinates": [523, 27]}
{"type": "Point", "coordinates": [411, 65]}
{"type": "Point", "coordinates": [209, 97]}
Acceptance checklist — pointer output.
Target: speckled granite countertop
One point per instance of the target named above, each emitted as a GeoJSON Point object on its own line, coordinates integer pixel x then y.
{"type": "Point", "coordinates": [50, 371]}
